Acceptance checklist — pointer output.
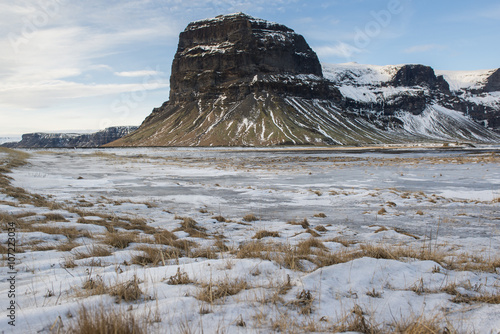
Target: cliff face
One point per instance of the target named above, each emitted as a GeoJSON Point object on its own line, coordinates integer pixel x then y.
{"type": "Point", "coordinates": [238, 80]}
{"type": "Point", "coordinates": [223, 55]}
{"type": "Point", "coordinates": [70, 140]}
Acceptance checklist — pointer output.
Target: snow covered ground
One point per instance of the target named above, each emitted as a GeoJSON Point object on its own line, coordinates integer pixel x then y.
{"type": "Point", "coordinates": [254, 240]}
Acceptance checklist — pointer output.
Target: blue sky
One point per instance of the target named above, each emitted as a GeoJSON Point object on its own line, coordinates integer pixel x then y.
{"type": "Point", "coordinates": [85, 65]}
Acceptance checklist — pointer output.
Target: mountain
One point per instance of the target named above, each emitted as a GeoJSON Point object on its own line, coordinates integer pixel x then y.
{"type": "Point", "coordinates": [59, 140]}
{"type": "Point", "coordinates": [419, 90]}
{"type": "Point", "coordinates": [238, 80]}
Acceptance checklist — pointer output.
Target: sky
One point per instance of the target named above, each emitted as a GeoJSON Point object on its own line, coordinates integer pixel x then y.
{"type": "Point", "coordinates": [68, 65]}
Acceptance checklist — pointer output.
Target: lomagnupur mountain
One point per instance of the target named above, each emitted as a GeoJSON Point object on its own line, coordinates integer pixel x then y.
{"type": "Point", "coordinates": [238, 80]}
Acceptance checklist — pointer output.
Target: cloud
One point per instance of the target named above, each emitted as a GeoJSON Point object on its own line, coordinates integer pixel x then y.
{"type": "Point", "coordinates": [49, 46]}
{"type": "Point", "coordinates": [133, 74]}
{"type": "Point", "coordinates": [341, 49]}
{"type": "Point", "coordinates": [45, 95]}
{"type": "Point", "coordinates": [424, 48]}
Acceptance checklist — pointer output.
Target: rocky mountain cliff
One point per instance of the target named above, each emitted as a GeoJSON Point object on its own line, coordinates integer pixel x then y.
{"type": "Point", "coordinates": [238, 80]}
{"type": "Point", "coordinates": [70, 140]}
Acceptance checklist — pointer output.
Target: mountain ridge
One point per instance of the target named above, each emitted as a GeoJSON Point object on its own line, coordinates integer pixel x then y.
{"type": "Point", "coordinates": [70, 140]}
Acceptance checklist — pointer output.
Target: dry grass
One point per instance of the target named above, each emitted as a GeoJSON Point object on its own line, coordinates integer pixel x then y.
{"type": "Point", "coordinates": [355, 321]}
{"type": "Point", "coordinates": [382, 211]}
{"type": "Point", "coordinates": [112, 222]}
{"type": "Point", "coordinates": [304, 223]}
{"type": "Point", "coordinates": [179, 278]}
{"type": "Point", "coordinates": [164, 237]}
{"type": "Point", "coordinates": [320, 215]}
{"type": "Point", "coordinates": [93, 251]}
{"type": "Point", "coordinates": [304, 247]}
{"type": "Point", "coordinates": [120, 240]}
{"type": "Point", "coordinates": [469, 262]}
{"type": "Point", "coordinates": [155, 255]}
{"type": "Point", "coordinates": [54, 217]}
{"type": "Point", "coordinates": [219, 218]}
{"type": "Point", "coordinates": [321, 228]}
{"type": "Point", "coordinates": [423, 325]}
{"type": "Point", "coordinates": [69, 262]}
{"type": "Point", "coordinates": [205, 252]}
{"type": "Point", "coordinates": [69, 232]}
{"type": "Point", "coordinates": [104, 321]}
{"type": "Point", "coordinates": [488, 298]}
{"type": "Point", "coordinates": [94, 286]}
{"type": "Point", "coordinates": [264, 234]}
{"type": "Point", "coordinates": [67, 246]}
{"type": "Point", "coordinates": [313, 233]}
{"type": "Point", "coordinates": [250, 218]}
{"type": "Point", "coordinates": [304, 302]}
{"type": "Point", "coordinates": [212, 291]}
{"type": "Point", "coordinates": [126, 291]}
{"type": "Point", "coordinates": [190, 226]}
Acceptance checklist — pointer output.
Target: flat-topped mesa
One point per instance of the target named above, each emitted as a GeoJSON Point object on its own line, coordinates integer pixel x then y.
{"type": "Point", "coordinates": [235, 55]}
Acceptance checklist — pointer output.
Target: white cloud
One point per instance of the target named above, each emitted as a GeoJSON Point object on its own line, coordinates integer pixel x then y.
{"type": "Point", "coordinates": [341, 49]}
{"type": "Point", "coordinates": [49, 93]}
{"type": "Point", "coordinates": [41, 57]}
{"type": "Point", "coordinates": [424, 48]}
{"type": "Point", "coordinates": [134, 74]}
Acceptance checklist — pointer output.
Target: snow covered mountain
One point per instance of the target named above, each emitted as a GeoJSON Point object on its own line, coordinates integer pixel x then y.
{"type": "Point", "coordinates": [238, 80]}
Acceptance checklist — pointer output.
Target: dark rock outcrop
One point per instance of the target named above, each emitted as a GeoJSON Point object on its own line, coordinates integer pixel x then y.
{"type": "Point", "coordinates": [70, 140]}
{"type": "Point", "coordinates": [419, 75]}
{"type": "Point", "coordinates": [223, 55]}
{"type": "Point", "coordinates": [493, 82]}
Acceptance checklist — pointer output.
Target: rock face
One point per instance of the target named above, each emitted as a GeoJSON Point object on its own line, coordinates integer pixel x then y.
{"type": "Point", "coordinates": [70, 140]}
{"type": "Point", "coordinates": [223, 55]}
{"type": "Point", "coordinates": [238, 80]}
{"type": "Point", "coordinates": [493, 82]}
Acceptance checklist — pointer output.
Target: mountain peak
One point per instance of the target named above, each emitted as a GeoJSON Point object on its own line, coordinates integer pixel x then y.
{"type": "Point", "coordinates": [233, 53]}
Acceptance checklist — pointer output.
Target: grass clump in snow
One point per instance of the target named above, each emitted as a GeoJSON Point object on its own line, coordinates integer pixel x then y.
{"type": "Point", "coordinates": [220, 219]}
{"type": "Point", "coordinates": [103, 321]}
{"type": "Point", "coordinates": [304, 223]}
{"type": "Point", "coordinates": [164, 237]}
{"type": "Point", "coordinates": [250, 218]}
{"type": "Point", "coordinates": [420, 324]}
{"type": "Point", "coordinates": [213, 291]}
{"type": "Point", "coordinates": [119, 240]}
{"type": "Point", "coordinates": [190, 226]}
{"type": "Point", "coordinates": [127, 291]}
{"type": "Point", "coordinates": [181, 277]}
{"type": "Point", "coordinates": [264, 233]}
{"type": "Point", "coordinates": [155, 255]}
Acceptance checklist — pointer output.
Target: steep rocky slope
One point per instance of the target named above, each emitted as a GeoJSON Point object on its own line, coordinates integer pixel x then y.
{"type": "Point", "coordinates": [96, 139]}
{"type": "Point", "coordinates": [238, 80]}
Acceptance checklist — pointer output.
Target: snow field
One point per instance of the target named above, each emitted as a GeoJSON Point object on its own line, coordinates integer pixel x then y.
{"type": "Point", "coordinates": [256, 241]}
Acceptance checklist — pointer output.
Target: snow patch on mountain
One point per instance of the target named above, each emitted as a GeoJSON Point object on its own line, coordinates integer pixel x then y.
{"type": "Point", "coordinates": [460, 80]}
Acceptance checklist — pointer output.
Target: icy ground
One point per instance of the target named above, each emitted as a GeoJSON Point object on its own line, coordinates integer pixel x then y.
{"type": "Point", "coordinates": [297, 240]}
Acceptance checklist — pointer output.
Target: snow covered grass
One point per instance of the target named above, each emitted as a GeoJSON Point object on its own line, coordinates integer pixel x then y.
{"type": "Point", "coordinates": [191, 241]}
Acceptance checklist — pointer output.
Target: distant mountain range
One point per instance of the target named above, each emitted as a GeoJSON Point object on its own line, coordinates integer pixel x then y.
{"type": "Point", "coordinates": [55, 140]}
{"type": "Point", "coordinates": [238, 80]}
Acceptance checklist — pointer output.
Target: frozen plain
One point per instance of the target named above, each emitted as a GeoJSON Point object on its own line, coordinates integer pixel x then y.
{"type": "Point", "coordinates": [441, 201]}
